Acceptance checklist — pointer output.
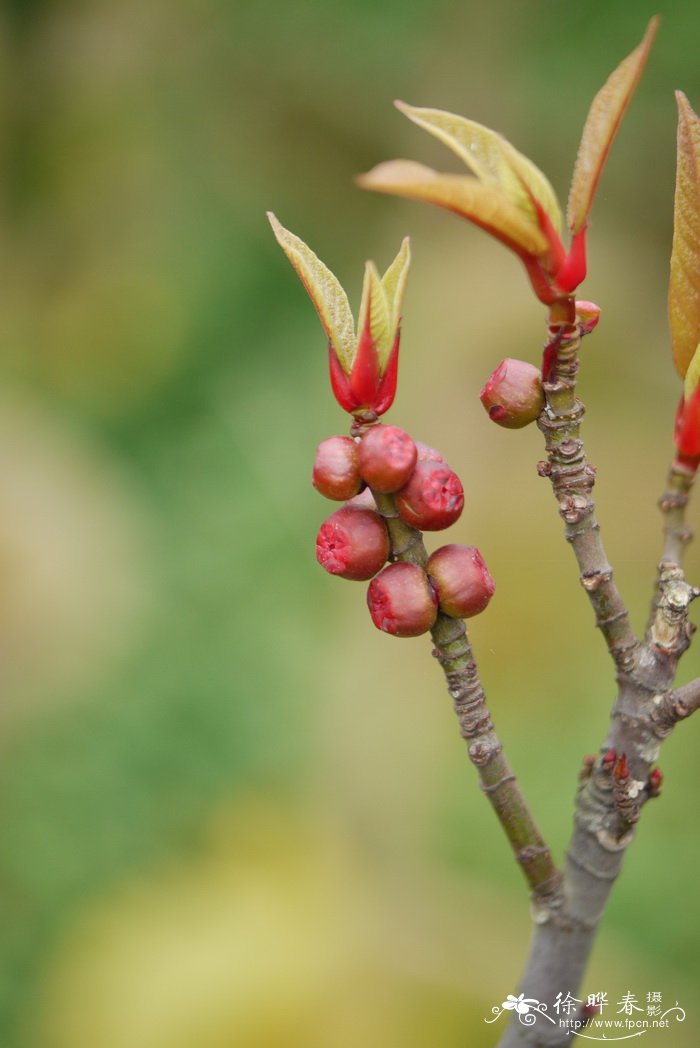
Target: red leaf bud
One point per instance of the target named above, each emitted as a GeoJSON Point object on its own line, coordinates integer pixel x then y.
{"type": "Point", "coordinates": [621, 768]}
{"type": "Point", "coordinates": [513, 396]}
{"type": "Point", "coordinates": [387, 456]}
{"type": "Point", "coordinates": [587, 316]}
{"type": "Point", "coordinates": [655, 781]}
{"type": "Point", "coordinates": [353, 543]}
{"type": "Point", "coordinates": [432, 499]}
{"type": "Point", "coordinates": [402, 601]}
{"type": "Point", "coordinates": [462, 580]}
{"type": "Point", "coordinates": [609, 759]}
{"type": "Point", "coordinates": [336, 472]}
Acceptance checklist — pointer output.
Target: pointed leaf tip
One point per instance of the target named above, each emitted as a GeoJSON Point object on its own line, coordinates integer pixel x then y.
{"type": "Point", "coordinates": [329, 298]}
{"type": "Point", "coordinates": [491, 158]}
{"type": "Point", "coordinates": [602, 123]}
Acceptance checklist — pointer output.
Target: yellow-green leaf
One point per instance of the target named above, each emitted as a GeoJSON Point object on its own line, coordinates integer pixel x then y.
{"type": "Point", "coordinates": [692, 375]}
{"type": "Point", "coordinates": [603, 120]}
{"type": "Point", "coordinates": [325, 292]}
{"type": "Point", "coordinates": [394, 284]}
{"type": "Point", "coordinates": [491, 158]}
{"type": "Point", "coordinates": [485, 205]}
{"type": "Point", "coordinates": [373, 309]}
{"type": "Point", "coordinates": [684, 283]}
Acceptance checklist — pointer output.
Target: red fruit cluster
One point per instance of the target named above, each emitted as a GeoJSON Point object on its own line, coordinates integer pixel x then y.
{"type": "Point", "coordinates": [353, 543]}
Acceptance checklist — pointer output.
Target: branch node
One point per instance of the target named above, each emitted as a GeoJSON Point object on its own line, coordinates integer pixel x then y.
{"type": "Point", "coordinates": [594, 578]}
{"type": "Point", "coordinates": [480, 753]}
{"type": "Point", "coordinates": [575, 507]}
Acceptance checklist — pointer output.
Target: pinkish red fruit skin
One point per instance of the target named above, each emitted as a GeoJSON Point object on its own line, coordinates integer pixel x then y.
{"type": "Point", "coordinates": [336, 472]}
{"type": "Point", "coordinates": [387, 457]}
{"type": "Point", "coordinates": [462, 580]}
{"type": "Point", "coordinates": [402, 601]}
{"type": "Point", "coordinates": [432, 499]}
{"type": "Point", "coordinates": [428, 454]}
{"type": "Point", "coordinates": [513, 396]}
{"type": "Point", "coordinates": [353, 544]}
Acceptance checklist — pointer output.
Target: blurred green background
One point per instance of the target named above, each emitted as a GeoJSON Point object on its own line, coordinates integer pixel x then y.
{"type": "Point", "coordinates": [231, 813]}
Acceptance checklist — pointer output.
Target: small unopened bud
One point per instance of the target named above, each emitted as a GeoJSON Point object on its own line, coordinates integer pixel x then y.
{"type": "Point", "coordinates": [513, 396]}
{"type": "Point", "coordinates": [609, 760]}
{"type": "Point", "coordinates": [462, 580]}
{"type": "Point", "coordinates": [402, 601]}
{"type": "Point", "coordinates": [587, 315]}
{"type": "Point", "coordinates": [387, 456]}
{"type": "Point", "coordinates": [336, 468]}
{"type": "Point", "coordinates": [432, 499]}
{"type": "Point", "coordinates": [655, 781]}
{"type": "Point", "coordinates": [353, 544]}
{"type": "Point", "coordinates": [621, 768]}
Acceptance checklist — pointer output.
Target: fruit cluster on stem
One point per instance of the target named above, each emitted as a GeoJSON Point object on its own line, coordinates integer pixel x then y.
{"type": "Point", "coordinates": [382, 464]}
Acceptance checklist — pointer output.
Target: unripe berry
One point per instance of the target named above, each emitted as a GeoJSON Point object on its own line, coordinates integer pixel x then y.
{"type": "Point", "coordinates": [353, 543]}
{"type": "Point", "coordinates": [387, 456]}
{"type": "Point", "coordinates": [464, 586]}
{"type": "Point", "coordinates": [513, 396]}
{"type": "Point", "coordinates": [336, 468]}
{"type": "Point", "coordinates": [402, 601]}
{"type": "Point", "coordinates": [433, 497]}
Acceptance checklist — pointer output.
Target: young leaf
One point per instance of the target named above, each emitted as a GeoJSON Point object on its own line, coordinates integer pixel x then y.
{"type": "Point", "coordinates": [394, 284]}
{"type": "Point", "coordinates": [492, 159]}
{"type": "Point", "coordinates": [684, 283]}
{"type": "Point", "coordinates": [604, 117]}
{"type": "Point", "coordinates": [374, 313]}
{"type": "Point", "coordinates": [485, 205]}
{"type": "Point", "coordinates": [325, 292]}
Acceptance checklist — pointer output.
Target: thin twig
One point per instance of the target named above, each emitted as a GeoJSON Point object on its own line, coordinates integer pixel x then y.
{"type": "Point", "coordinates": [453, 651]}
{"type": "Point", "coordinates": [572, 480]}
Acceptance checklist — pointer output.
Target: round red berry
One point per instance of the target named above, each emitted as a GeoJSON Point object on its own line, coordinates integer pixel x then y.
{"type": "Point", "coordinates": [336, 471]}
{"type": "Point", "coordinates": [402, 601]}
{"type": "Point", "coordinates": [387, 456]}
{"type": "Point", "coordinates": [462, 580]}
{"type": "Point", "coordinates": [513, 396]}
{"type": "Point", "coordinates": [353, 544]}
{"type": "Point", "coordinates": [433, 497]}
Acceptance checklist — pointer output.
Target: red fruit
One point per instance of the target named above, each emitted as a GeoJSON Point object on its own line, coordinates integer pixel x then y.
{"type": "Point", "coordinates": [402, 601]}
{"type": "Point", "coordinates": [387, 456]}
{"type": "Point", "coordinates": [433, 497]}
{"type": "Point", "coordinates": [428, 454]}
{"type": "Point", "coordinates": [365, 500]}
{"type": "Point", "coordinates": [462, 580]}
{"type": "Point", "coordinates": [353, 543]}
{"type": "Point", "coordinates": [336, 468]}
{"type": "Point", "coordinates": [513, 396]}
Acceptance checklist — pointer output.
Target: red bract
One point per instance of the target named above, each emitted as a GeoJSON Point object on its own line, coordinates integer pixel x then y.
{"type": "Point", "coordinates": [365, 389]}
{"type": "Point", "coordinates": [687, 429]}
{"type": "Point", "coordinates": [353, 544]}
{"type": "Point", "coordinates": [432, 499]}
